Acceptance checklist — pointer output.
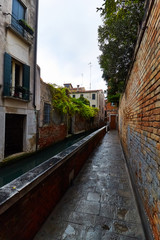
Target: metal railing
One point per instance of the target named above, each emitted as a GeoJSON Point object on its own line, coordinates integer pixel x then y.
{"type": "Point", "coordinates": [16, 92]}
{"type": "Point", "coordinates": [15, 25]}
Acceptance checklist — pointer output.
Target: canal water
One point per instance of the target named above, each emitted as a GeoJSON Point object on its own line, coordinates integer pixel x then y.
{"type": "Point", "coordinates": [16, 169]}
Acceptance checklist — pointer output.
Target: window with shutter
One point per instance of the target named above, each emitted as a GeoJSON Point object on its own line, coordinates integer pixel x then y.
{"type": "Point", "coordinates": [16, 78]}
{"type": "Point", "coordinates": [7, 77]}
{"type": "Point", "coordinates": [18, 13]}
{"type": "Point", "coordinates": [26, 81]}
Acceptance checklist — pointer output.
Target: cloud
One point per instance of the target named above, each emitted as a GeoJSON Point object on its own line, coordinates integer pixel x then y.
{"type": "Point", "coordinates": [68, 41]}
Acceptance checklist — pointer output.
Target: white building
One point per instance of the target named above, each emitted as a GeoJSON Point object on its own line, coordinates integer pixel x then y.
{"type": "Point", "coordinates": [95, 97]}
{"type": "Point", "coordinates": [18, 76]}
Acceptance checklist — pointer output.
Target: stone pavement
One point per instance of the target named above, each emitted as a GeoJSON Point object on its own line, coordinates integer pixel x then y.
{"type": "Point", "coordinates": [100, 205]}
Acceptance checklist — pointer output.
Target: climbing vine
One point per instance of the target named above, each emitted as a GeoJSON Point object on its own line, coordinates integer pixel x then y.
{"type": "Point", "coordinates": [62, 101]}
{"type": "Point", "coordinates": [84, 109]}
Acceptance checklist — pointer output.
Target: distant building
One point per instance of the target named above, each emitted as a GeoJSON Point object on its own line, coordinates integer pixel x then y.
{"type": "Point", "coordinates": [18, 76]}
{"type": "Point", "coordinates": [111, 115]}
{"type": "Point", "coordinates": [95, 97]}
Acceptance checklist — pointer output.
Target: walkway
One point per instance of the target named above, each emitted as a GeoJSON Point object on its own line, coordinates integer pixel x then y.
{"type": "Point", "coordinates": [100, 205]}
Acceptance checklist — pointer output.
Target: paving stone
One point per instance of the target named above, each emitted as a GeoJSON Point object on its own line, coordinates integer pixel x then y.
{"type": "Point", "coordinates": [88, 207]}
{"type": "Point", "coordinates": [93, 233]}
{"type": "Point", "coordinates": [92, 196]}
{"type": "Point", "coordinates": [100, 205]}
{"type": "Point", "coordinates": [73, 232]}
{"type": "Point", "coordinates": [108, 211]}
{"type": "Point", "coordinates": [113, 236]}
{"type": "Point", "coordinates": [82, 218]}
{"type": "Point", "coordinates": [128, 229]}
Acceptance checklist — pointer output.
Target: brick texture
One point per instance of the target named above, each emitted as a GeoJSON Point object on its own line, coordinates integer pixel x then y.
{"type": "Point", "coordinates": [139, 120]}
{"type": "Point", "coordinates": [23, 219]}
{"type": "Point", "coordinates": [51, 134]}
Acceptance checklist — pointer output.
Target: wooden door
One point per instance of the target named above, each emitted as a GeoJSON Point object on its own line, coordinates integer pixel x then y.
{"type": "Point", "coordinates": [113, 124]}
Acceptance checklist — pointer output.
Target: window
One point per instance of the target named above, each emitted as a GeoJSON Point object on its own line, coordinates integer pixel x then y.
{"type": "Point", "coordinates": [47, 111]}
{"type": "Point", "coordinates": [94, 106]}
{"type": "Point", "coordinates": [16, 78]}
{"type": "Point", "coordinates": [18, 12]}
{"type": "Point", "coordinates": [93, 96]}
{"type": "Point", "coordinates": [113, 104]}
{"type": "Point", "coordinates": [74, 96]}
{"type": "Point", "coordinates": [16, 73]}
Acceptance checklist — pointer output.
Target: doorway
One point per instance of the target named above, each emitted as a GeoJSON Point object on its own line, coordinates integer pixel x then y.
{"type": "Point", "coordinates": [14, 134]}
{"type": "Point", "coordinates": [113, 122]}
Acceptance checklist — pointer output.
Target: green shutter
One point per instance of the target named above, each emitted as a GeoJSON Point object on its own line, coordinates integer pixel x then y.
{"type": "Point", "coordinates": [7, 74]}
{"type": "Point", "coordinates": [26, 81]}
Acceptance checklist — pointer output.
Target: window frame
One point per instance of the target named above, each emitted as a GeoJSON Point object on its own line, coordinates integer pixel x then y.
{"type": "Point", "coordinates": [21, 89]}
{"type": "Point", "coordinates": [93, 96]}
{"type": "Point", "coordinates": [46, 113]}
{"type": "Point", "coordinates": [113, 104]}
{"type": "Point", "coordinates": [15, 63]}
{"type": "Point", "coordinates": [17, 15]}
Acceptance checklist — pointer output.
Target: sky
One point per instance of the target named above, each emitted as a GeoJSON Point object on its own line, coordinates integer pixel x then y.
{"type": "Point", "coordinates": [68, 43]}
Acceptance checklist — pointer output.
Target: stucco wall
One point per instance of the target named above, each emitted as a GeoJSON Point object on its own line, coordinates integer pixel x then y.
{"type": "Point", "coordinates": [139, 118]}
{"type": "Point", "coordinates": [21, 48]}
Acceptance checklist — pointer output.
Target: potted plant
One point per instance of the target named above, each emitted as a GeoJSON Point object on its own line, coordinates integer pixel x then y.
{"type": "Point", "coordinates": [23, 23]}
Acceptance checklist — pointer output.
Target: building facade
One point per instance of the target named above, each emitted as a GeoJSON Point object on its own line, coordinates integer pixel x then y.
{"type": "Point", "coordinates": [52, 125]}
{"type": "Point", "coordinates": [95, 97]}
{"type": "Point", "coordinates": [18, 76]}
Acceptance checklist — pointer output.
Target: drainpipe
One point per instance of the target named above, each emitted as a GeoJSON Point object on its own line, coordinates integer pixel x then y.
{"type": "Point", "coordinates": [35, 56]}
{"type": "Point", "coordinates": [35, 69]}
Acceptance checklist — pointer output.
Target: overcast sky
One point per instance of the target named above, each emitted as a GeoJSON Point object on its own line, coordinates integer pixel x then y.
{"type": "Point", "coordinates": [67, 42]}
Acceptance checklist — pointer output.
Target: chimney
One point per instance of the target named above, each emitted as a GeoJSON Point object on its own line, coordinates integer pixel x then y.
{"type": "Point", "coordinates": [77, 88]}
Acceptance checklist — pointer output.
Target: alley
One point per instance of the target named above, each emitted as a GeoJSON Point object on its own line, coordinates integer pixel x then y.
{"type": "Point", "coordinates": [100, 205]}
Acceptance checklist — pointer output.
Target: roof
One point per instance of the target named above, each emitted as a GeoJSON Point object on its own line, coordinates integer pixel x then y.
{"type": "Point", "coordinates": [74, 90]}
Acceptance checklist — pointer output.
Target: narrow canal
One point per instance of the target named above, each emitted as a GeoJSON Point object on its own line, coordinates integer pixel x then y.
{"type": "Point", "coordinates": [16, 169]}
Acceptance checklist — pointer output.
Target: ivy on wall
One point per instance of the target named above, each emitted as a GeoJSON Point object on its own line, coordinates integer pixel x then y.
{"type": "Point", "coordinates": [62, 101]}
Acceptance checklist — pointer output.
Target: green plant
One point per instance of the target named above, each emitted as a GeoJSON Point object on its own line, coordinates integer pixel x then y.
{"type": "Point", "coordinates": [62, 101]}
{"type": "Point", "coordinates": [28, 28]}
{"type": "Point", "coordinates": [117, 37]}
{"type": "Point", "coordinates": [84, 109]}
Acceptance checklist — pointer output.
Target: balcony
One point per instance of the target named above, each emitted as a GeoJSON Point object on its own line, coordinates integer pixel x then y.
{"type": "Point", "coordinates": [20, 28]}
{"type": "Point", "coordinates": [17, 92]}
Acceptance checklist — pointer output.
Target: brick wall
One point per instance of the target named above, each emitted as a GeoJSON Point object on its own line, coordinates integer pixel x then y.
{"type": "Point", "coordinates": [51, 134]}
{"type": "Point", "coordinates": [139, 118]}
{"type": "Point", "coordinates": [56, 129]}
{"type": "Point", "coordinates": [59, 125]}
{"type": "Point", "coordinates": [24, 208]}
